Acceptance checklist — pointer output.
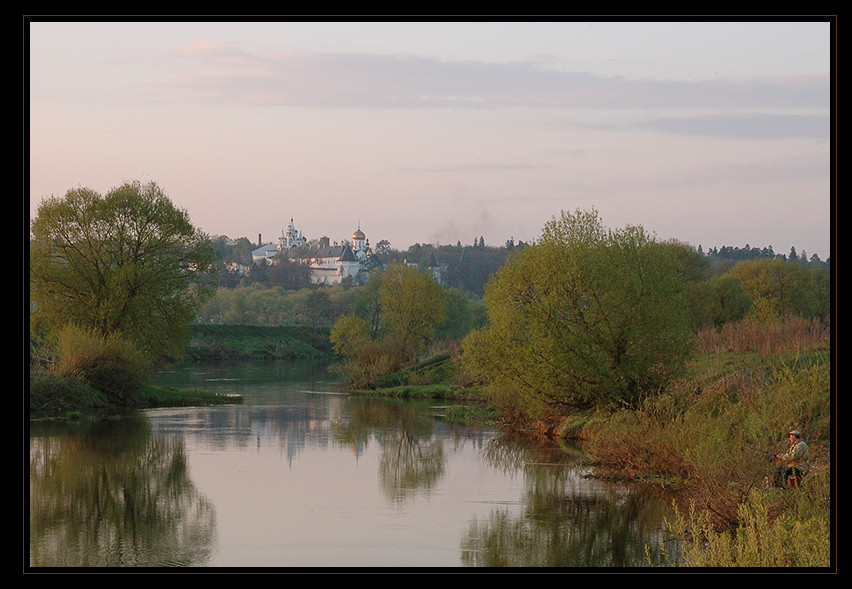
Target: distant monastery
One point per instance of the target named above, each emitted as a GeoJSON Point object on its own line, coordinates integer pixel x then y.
{"type": "Point", "coordinates": [330, 264]}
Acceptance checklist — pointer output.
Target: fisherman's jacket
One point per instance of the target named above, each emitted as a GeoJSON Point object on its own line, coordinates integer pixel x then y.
{"type": "Point", "coordinates": [797, 456]}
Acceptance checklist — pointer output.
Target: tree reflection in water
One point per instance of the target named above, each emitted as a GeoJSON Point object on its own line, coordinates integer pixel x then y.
{"type": "Point", "coordinates": [569, 519]}
{"type": "Point", "coordinates": [412, 459]}
{"type": "Point", "coordinates": [98, 499]}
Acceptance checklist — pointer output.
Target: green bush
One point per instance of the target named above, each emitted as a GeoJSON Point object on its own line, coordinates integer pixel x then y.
{"type": "Point", "coordinates": [109, 364]}
{"type": "Point", "coordinates": [51, 395]}
{"type": "Point", "coordinates": [586, 318]}
{"type": "Point", "coordinates": [715, 441]}
{"type": "Point", "coordinates": [775, 528]}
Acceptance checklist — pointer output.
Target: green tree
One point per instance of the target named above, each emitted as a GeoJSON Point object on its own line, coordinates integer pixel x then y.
{"type": "Point", "coordinates": [364, 360]}
{"type": "Point", "coordinates": [821, 292]}
{"type": "Point", "coordinates": [694, 266]}
{"type": "Point", "coordinates": [780, 288]}
{"type": "Point", "coordinates": [461, 316]}
{"type": "Point", "coordinates": [290, 274]}
{"type": "Point", "coordinates": [242, 251]}
{"type": "Point", "coordinates": [367, 304]}
{"type": "Point", "coordinates": [350, 335]}
{"type": "Point", "coordinates": [395, 315]}
{"type": "Point", "coordinates": [585, 317]}
{"type": "Point", "coordinates": [317, 307]}
{"type": "Point", "coordinates": [717, 301]}
{"type": "Point", "coordinates": [128, 263]}
{"type": "Point", "coordinates": [413, 304]}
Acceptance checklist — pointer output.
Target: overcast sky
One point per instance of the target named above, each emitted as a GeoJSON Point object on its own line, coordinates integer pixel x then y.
{"type": "Point", "coordinates": [712, 133]}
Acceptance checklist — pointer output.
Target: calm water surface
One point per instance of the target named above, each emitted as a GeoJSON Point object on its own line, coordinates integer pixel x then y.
{"type": "Point", "coordinates": [301, 475]}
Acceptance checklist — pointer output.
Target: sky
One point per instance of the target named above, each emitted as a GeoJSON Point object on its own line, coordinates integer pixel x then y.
{"type": "Point", "coordinates": [712, 133]}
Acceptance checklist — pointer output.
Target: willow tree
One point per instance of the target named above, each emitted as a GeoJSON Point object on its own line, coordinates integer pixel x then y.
{"type": "Point", "coordinates": [585, 317]}
{"type": "Point", "coordinates": [127, 264]}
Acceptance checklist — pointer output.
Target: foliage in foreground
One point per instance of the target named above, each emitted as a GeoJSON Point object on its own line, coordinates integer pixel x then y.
{"type": "Point", "coordinates": [713, 433]}
{"type": "Point", "coordinates": [775, 528]}
{"type": "Point", "coordinates": [51, 395]}
{"type": "Point", "coordinates": [712, 437]}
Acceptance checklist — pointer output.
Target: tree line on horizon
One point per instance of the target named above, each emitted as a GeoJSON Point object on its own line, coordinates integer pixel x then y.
{"type": "Point", "coordinates": [728, 254]}
{"type": "Point", "coordinates": [466, 267]}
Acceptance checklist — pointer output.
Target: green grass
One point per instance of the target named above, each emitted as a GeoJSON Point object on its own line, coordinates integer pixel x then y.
{"type": "Point", "coordinates": [235, 342]}
{"type": "Point", "coordinates": [438, 369]}
{"type": "Point", "coordinates": [53, 397]}
{"type": "Point", "coordinates": [171, 397]}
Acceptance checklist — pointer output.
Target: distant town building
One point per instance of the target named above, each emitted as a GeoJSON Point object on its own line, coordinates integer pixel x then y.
{"type": "Point", "coordinates": [329, 264]}
{"type": "Point", "coordinates": [291, 238]}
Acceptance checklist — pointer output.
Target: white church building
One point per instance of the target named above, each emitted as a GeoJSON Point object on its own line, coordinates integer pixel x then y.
{"type": "Point", "coordinates": [330, 264]}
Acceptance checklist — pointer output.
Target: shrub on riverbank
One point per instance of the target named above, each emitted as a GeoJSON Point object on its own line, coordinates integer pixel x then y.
{"type": "Point", "coordinates": [734, 402]}
{"type": "Point", "coordinates": [587, 318]}
{"type": "Point", "coordinates": [81, 372]}
{"type": "Point", "coordinates": [51, 395]}
{"type": "Point", "coordinates": [439, 375]}
{"type": "Point", "coordinates": [109, 364]}
{"type": "Point", "coordinates": [775, 528]}
{"type": "Point", "coordinates": [712, 438]}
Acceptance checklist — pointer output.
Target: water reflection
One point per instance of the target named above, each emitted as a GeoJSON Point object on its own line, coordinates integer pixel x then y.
{"type": "Point", "coordinates": [332, 481]}
{"type": "Point", "coordinates": [412, 456]}
{"type": "Point", "coordinates": [569, 518]}
{"type": "Point", "coordinates": [565, 524]}
{"type": "Point", "coordinates": [109, 495]}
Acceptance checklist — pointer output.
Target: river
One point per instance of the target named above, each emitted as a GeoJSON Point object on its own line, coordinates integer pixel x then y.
{"type": "Point", "coordinates": [303, 477]}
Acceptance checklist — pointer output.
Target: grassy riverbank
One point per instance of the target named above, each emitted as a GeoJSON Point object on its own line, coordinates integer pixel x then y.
{"type": "Point", "coordinates": [439, 378]}
{"type": "Point", "coordinates": [94, 377]}
{"type": "Point", "coordinates": [52, 397]}
{"type": "Point", "coordinates": [242, 342]}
